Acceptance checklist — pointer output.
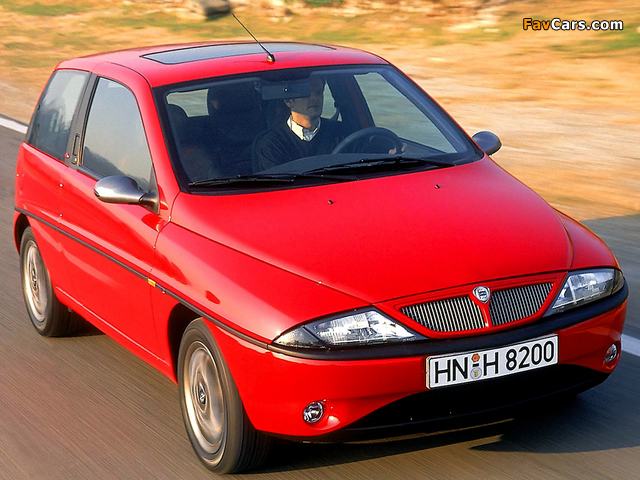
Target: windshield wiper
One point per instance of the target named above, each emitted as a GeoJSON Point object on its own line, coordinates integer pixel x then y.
{"type": "Point", "coordinates": [396, 162]}
{"type": "Point", "coordinates": [266, 178]}
{"type": "Point", "coordinates": [344, 172]}
{"type": "Point", "coordinates": [243, 179]}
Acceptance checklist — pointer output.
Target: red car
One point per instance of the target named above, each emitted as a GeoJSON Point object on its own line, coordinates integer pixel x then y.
{"type": "Point", "coordinates": [305, 242]}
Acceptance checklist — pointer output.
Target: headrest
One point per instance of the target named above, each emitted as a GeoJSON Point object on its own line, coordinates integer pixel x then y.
{"type": "Point", "coordinates": [177, 115]}
{"type": "Point", "coordinates": [233, 98]}
{"type": "Point", "coordinates": [178, 118]}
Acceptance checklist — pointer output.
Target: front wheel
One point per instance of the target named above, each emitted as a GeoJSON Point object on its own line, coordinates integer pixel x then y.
{"type": "Point", "coordinates": [50, 317]}
{"type": "Point", "coordinates": [216, 422]}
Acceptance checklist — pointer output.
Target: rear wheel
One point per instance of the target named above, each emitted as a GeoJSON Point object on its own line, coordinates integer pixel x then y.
{"type": "Point", "coordinates": [49, 317]}
{"type": "Point", "coordinates": [216, 422]}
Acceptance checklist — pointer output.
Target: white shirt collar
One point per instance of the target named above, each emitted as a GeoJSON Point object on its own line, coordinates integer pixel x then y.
{"type": "Point", "coordinates": [301, 132]}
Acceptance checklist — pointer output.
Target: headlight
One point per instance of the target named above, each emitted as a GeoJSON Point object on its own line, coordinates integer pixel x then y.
{"type": "Point", "coordinates": [587, 286]}
{"type": "Point", "coordinates": [360, 328]}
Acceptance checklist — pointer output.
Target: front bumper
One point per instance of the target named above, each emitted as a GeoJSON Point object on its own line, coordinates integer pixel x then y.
{"type": "Point", "coordinates": [387, 384]}
{"type": "Point", "coordinates": [469, 404]}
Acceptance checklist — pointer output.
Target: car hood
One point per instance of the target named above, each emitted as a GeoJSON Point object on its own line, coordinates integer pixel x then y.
{"type": "Point", "coordinates": [384, 238]}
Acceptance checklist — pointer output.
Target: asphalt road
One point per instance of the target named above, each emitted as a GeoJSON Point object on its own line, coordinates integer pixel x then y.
{"type": "Point", "coordinates": [84, 407]}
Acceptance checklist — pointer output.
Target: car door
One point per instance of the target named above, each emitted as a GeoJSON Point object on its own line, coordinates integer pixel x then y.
{"type": "Point", "coordinates": [111, 247]}
{"type": "Point", "coordinates": [42, 162]}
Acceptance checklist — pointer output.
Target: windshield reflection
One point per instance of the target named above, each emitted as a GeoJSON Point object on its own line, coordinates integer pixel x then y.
{"type": "Point", "coordinates": [292, 121]}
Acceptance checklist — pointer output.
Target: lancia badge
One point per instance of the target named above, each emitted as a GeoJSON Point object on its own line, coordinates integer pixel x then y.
{"type": "Point", "coordinates": [482, 294]}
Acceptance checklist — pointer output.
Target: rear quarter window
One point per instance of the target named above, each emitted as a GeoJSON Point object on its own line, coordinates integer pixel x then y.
{"type": "Point", "coordinates": [51, 124]}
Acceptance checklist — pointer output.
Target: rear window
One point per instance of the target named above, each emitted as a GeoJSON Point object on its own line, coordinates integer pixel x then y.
{"type": "Point", "coordinates": [51, 124]}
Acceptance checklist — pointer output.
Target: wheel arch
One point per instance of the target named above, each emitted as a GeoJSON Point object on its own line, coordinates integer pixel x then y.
{"type": "Point", "coordinates": [179, 319]}
{"type": "Point", "coordinates": [19, 226]}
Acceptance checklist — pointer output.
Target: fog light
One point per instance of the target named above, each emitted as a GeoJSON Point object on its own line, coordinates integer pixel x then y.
{"type": "Point", "coordinates": [313, 412]}
{"type": "Point", "coordinates": [612, 353]}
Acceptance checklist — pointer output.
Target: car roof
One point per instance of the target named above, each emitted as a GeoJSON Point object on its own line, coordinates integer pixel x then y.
{"type": "Point", "coordinates": [168, 64]}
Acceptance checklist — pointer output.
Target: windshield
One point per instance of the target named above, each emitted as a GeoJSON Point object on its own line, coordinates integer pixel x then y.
{"type": "Point", "coordinates": [298, 124]}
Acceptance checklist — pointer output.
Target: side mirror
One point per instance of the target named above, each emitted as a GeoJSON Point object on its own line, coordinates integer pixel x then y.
{"type": "Point", "coordinates": [488, 142]}
{"type": "Point", "coordinates": [125, 190]}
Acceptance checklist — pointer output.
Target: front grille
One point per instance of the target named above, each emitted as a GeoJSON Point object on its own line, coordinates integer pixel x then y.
{"type": "Point", "coordinates": [450, 315]}
{"type": "Point", "coordinates": [463, 314]}
{"type": "Point", "coordinates": [514, 304]}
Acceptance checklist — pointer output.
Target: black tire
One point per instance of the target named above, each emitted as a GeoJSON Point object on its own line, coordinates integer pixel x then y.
{"type": "Point", "coordinates": [220, 432]}
{"type": "Point", "coordinates": [49, 317]}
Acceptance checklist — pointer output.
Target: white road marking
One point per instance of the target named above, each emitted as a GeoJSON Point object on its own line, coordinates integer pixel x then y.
{"type": "Point", "coordinates": [13, 125]}
{"type": "Point", "coordinates": [630, 345]}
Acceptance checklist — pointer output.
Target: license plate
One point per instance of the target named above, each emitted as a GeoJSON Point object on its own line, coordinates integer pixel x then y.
{"type": "Point", "coordinates": [445, 370]}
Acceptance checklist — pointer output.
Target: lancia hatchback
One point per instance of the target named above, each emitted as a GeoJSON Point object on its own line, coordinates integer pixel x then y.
{"type": "Point", "coordinates": [305, 242]}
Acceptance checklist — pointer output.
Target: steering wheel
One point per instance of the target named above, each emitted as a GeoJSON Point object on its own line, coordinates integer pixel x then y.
{"type": "Point", "coordinates": [369, 132]}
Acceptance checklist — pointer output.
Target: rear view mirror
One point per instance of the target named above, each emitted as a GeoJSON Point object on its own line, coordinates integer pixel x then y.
{"type": "Point", "coordinates": [284, 90]}
{"type": "Point", "coordinates": [121, 189]}
{"type": "Point", "coordinates": [488, 142]}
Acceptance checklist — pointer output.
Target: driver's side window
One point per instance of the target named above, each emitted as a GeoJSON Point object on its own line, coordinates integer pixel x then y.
{"type": "Point", "coordinates": [115, 142]}
{"type": "Point", "coordinates": [391, 109]}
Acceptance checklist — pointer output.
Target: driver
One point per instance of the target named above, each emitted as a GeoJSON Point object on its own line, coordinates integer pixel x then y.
{"type": "Point", "coordinates": [304, 134]}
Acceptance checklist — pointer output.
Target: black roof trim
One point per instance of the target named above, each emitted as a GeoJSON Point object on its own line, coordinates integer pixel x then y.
{"type": "Point", "coordinates": [210, 52]}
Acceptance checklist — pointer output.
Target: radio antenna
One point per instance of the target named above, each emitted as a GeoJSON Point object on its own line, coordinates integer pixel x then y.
{"type": "Point", "coordinates": [270, 57]}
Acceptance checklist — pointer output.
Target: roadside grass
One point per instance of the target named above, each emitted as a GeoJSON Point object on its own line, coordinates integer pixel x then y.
{"type": "Point", "coordinates": [323, 3]}
{"type": "Point", "coordinates": [489, 34]}
{"type": "Point", "coordinates": [35, 35]}
{"type": "Point", "coordinates": [318, 25]}
{"type": "Point", "coordinates": [47, 9]}
{"type": "Point", "coordinates": [602, 44]}
{"type": "Point", "coordinates": [628, 39]}
{"type": "Point", "coordinates": [38, 9]}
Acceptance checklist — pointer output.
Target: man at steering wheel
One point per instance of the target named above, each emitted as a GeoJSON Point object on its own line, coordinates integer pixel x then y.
{"type": "Point", "coordinates": [304, 134]}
